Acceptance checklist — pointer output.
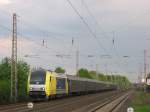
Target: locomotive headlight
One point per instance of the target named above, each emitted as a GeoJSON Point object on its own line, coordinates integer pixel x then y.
{"type": "Point", "coordinates": [43, 88]}
{"type": "Point", "coordinates": [31, 88]}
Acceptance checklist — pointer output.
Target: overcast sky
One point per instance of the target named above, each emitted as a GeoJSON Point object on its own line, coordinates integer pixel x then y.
{"type": "Point", "coordinates": [55, 22]}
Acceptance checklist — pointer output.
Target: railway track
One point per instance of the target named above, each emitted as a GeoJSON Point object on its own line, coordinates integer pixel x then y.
{"type": "Point", "coordinates": [84, 103]}
{"type": "Point", "coordinates": [107, 104]}
{"type": "Point", "coordinates": [112, 105]}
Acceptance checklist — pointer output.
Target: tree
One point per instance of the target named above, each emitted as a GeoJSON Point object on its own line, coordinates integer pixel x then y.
{"type": "Point", "coordinates": [5, 80]}
{"type": "Point", "coordinates": [84, 73]}
{"type": "Point", "coordinates": [5, 74]}
{"type": "Point", "coordinates": [102, 77]}
{"type": "Point", "coordinates": [59, 70]}
{"type": "Point", "coordinates": [148, 75]}
{"type": "Point", "coordinates": [5, 69]}
{"type": "Point", "coordinates": [108, 78]}
{"type": "Point", "coordinates": [93, 74]}
{"type": "Point", "coordinates": [23, 71]}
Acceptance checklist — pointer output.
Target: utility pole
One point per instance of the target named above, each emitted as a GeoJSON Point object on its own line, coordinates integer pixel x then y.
{"type": "Point", "coordinates": [77, 62]}
{"type": "Point", "coordinates": [140, 73]}
{"type": "Point", "coordinates": [14, 60]}
{"type": "Point", "coordinates": [106, 69]}
{"type": "Point", "coordinates": [145, 64]}
{"type": "Point", "coordinates": [97, 71]}
{"type": "Point", "coordinates": [145, 67]}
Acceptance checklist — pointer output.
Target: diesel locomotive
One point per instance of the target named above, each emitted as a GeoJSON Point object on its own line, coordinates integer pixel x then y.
{"type": "Point", "coordinates": [48, 84]}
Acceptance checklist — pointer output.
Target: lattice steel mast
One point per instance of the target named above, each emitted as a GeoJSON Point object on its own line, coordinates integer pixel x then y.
{"type": "Point", "coordinates": [14, 60]}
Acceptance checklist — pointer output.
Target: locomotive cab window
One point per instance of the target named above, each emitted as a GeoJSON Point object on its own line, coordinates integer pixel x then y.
{"type": "Point", "coordinates": [38, 77]}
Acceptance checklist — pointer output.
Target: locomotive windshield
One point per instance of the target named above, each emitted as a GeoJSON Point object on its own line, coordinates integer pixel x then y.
{"type": "Point", "coordinates": [38, 77]}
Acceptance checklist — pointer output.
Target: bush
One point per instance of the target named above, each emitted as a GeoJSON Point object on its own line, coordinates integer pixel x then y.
{"type": "Point", "coordinates": [59, 70]}
{"type": "Point", "coordinates": [4, 91]}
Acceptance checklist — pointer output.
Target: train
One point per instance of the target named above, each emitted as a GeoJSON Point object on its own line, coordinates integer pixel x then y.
{"type": "Point", "coordinates": [48, 84]}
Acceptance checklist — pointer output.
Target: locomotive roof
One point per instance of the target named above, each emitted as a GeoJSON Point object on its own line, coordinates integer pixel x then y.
{"type": "Point", "coordinates": [61, 75]}
{"type": "Point", "coordinates": [86, 79]}
{"type": "Point", "coordinates": [38, 70]}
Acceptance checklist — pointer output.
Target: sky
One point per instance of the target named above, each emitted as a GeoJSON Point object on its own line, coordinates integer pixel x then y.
{"type": "Point", "coordinates": [56, 22]}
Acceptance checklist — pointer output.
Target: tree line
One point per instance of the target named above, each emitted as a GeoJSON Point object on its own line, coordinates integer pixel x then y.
{"type": "Point", "coordinates": [120, 80]}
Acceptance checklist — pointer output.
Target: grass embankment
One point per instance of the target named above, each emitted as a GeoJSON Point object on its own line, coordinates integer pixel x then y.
{"type": "Point", "coordinates": [141, 101]}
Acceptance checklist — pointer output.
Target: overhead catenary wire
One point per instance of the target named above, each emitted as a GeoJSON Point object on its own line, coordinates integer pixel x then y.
{"type": "Point", "coordinates": [36, 43]}
{"type": "Point", "coordinates": [27, 36]}
{"type": "Point", "coordinates": [35, 27]}
{"type": "Point", "coordinates": [94, 18]}
{"type": "Point", "coordinates": [97, 23]}
{"type": "Point", "coordinates": [44, 46]}
{"type": "Point", "coordinates": [87, 25]}
{"type": "Point", "coordinates": [46, 33]}
{"type": "Point", "coordinates": [22, 36]}
{"type": "Point", "coordinates": [6, 28]}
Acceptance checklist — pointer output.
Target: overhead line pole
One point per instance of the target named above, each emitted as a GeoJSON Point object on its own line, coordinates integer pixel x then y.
{"type": "Point", "coordinates": [97, 76]}
{"type": "Point", "coordinates": [145, 69]}
{"type": "Point", "coordinates": [140, 73]}
{"type": "Point", "coordinates": [14, 60]}
{"type": "Point", "coordinates": [145, 64]}
{"type": "Point", "coordinates": [77, 63]}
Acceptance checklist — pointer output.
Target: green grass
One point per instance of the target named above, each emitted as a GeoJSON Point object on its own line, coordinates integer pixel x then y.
{"type": "Point", "coordinates": [141, 101]}
{"type": "Point", "coordinates": [142, 108]}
